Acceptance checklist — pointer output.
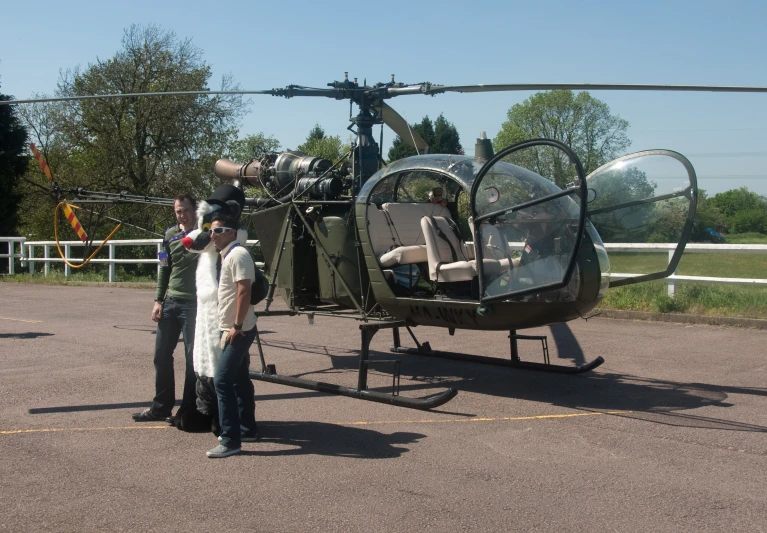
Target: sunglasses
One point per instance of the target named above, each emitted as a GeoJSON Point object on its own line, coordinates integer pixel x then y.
{"type": "Point", "coordinates": [220, 229]}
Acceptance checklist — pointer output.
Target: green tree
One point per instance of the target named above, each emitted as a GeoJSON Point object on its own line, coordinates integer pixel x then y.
{"type": "Point", "coordinates": [732, 201]}
{"type": "Point", "coordinates": [13, 164]}
{"type": "Point", "coordinates": [749, 220]}
{"type": "Point", "coordinates": [441, 136]}
{"type": "Point", "coordinates": [320, 145]}
{"type": "Point", "coordinates": [317, 133]}
{"type": "Point", "coordinates": [707, 215]}
{"type": "Point", "coordinates": [245, 149]}
{"type": "Point", "coordinates": [578, 120]}
{"type": "Point", "coordinates": [158, 146]}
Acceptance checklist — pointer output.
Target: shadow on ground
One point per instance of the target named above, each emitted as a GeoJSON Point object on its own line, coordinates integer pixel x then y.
{"type": "Point", "coordinates": [26, 335]}
{"type": "Point", "coordinates": [653, 400]}
{"type": "Point", "coordinates": [317, 438]}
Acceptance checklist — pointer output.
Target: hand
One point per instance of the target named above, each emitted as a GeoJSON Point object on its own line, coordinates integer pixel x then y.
{"type": "Point", "coordinates": [232, 333]}
{"type": "Point", "coordinates": [157, 311]}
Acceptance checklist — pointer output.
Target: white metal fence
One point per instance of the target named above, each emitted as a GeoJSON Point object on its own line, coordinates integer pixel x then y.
{"type": "Point", "coordinates": [28, 256]}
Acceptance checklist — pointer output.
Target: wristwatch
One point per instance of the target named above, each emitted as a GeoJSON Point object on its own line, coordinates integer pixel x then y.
{"type": "Point", "coordinates": [237, 326]}
{"type": "Point", "coordinates": [159, 300]}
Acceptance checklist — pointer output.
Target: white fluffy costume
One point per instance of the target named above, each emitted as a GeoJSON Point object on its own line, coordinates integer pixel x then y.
{"type": "Point", "coordinates": [207, 336]}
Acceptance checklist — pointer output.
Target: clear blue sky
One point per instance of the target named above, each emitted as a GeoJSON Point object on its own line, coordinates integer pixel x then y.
{"type": "Point", "coordinates": [273, 44]}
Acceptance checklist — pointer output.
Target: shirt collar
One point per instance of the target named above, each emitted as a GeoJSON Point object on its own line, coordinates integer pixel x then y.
{"type": "Point", "coordinates": [229, 247]}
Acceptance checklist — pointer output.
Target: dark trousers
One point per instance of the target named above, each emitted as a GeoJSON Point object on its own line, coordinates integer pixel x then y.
{"type": "Point", "coordinates": [234, 388]}
{"type": "Point", "coordinates": [178, 316]}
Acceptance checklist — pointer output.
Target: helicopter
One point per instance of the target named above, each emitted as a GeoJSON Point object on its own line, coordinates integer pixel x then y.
{"type": "Point", "coordinates": [496, 241]}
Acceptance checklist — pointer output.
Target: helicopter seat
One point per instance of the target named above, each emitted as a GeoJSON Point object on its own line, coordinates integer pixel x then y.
{"type": "Point", "coordinates": [379, 231]}
{"type": "Point", "coordinates": [446, 253]}
{"type": "Point", "coordinates": [495, 247]}
{"type": "Point", "coordinates": [387, 248]}
{"type": "Point", "coordinates": [405, 220]}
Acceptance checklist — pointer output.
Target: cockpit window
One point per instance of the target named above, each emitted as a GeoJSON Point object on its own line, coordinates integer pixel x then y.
{"type": "Point", "coordinates": [415, 186]}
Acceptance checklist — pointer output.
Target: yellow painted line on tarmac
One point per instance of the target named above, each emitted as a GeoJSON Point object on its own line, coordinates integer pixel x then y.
{"type": "Point", "coordinates": [59, 430]}
{"type": "Point", "coordinates": [357, 423]}
{"type": "Point", "coordinates": [483, 419]}
{"type": "Point", "coordinates": [20, 320]}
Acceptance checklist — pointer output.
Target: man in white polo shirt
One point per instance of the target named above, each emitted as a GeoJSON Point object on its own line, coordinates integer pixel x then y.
{"type": "Point", "coordinates": [237, 322]}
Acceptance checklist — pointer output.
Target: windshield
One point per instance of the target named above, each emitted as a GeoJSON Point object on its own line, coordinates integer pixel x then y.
{"type": "Point", "coordinates": [532, 245]}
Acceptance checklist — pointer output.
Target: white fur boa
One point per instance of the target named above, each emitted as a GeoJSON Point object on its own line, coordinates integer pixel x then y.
{"type": "Point", "coordinates": [207, 336]}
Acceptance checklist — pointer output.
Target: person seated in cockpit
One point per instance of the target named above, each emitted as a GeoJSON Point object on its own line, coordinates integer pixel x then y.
{"type": "Point", "coordinates": [437, 196]}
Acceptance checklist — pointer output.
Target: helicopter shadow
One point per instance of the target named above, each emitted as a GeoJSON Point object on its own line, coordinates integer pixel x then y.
{"type": "Point", "coordinates": [653, 400]}
{"type": "Point", "coordinates": [334, 440]}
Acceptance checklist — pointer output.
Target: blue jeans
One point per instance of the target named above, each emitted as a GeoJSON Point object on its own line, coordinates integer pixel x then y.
{"type": "Point", "coordinates": [178, 316]}
{"type": "Point", "coordinates": [234, 388]}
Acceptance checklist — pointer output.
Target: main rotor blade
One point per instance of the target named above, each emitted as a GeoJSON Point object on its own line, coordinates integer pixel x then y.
{"type": "Point", "coordinates": [288, 92]}
{"type": "Point", "coordinates": [435, 89]}
{"type": "Point", "coordinates": [400, 126]}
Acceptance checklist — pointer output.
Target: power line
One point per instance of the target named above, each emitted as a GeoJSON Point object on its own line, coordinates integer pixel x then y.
{"type": "Point", "coordinates": [729, 154]}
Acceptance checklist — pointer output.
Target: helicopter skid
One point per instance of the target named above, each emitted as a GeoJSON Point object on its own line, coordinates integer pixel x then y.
{"type": "Point", "coordinates": [527, 365]}
{"type": "Point", "coordinates": [269, 373]}
{"type": "Point", "coordinates": [425, 349]}
{"type": "Point", "coordinates": [429, 402]}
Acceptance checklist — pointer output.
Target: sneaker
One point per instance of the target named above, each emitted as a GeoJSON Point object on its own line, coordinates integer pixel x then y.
{"type": "Point", "coordinates": [222, 451]}
{"type": "Point", "coordinates": [147, 415]}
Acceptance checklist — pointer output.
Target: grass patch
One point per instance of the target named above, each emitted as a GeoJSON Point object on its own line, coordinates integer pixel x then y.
{"type": "Point", "coordinates": [730, 265]}
{"type": "Point", "coordinates": [746, 238]}
{"type": "Point", "coordinates": [77, 278]}
{"type": "Point", "coordinates": [690, 298]}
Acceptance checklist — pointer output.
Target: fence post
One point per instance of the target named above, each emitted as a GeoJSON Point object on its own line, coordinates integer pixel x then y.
{"type": "Point", "coordinates": [671, 282]}
{"type": "Point", "coordinates": [159, 249]}
{"type": "Point", "coordinates": [67, 268]}
{"type": "Point", "coordinates": [31, 255]}
{"type": "Point", "coordinates": [111, 263]}
{"type": "Point", "coordinates": [46, 256]}
{"type": "Point", "coordinates": [11, 254]}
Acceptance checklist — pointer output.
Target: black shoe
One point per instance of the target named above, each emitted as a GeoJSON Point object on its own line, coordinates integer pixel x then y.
{"type": "Point", "coordinates": [171, 420]}
{"type": "Point", "coordinates": [147, 415]}
{"type": "Point", "coordinates": [250, 437]}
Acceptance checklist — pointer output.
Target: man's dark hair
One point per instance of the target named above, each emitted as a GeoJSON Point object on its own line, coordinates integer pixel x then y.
{"type": "Point", "coordinates": [226, 220]}
{"type": "Point", "coordinates": [189, 197]}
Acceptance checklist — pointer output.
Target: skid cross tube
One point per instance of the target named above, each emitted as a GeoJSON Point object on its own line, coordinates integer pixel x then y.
{"type": "Point", "coordinates": [425, 349]}
{"type": "Point", "coordinates": [367, 331]}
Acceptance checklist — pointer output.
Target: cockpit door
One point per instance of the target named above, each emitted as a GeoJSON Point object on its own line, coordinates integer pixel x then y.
{"type": "Point", "coordinates": [645, 197]}
{"type": "Point", "coordinates": [528, 213]}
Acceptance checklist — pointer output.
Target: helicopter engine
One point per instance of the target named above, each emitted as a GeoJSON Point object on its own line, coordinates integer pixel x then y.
{"type": "Point", "coordinates": [284, 175]}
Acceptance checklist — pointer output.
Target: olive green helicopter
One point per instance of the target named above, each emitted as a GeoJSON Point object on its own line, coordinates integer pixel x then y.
{"type": "Point", "coordinates": [495, 241]}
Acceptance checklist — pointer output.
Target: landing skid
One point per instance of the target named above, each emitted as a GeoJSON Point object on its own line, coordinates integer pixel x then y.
{"type": "Point", "coordinates": [514, 362]}
{"type": "Point", "coordinates": [269, 373]}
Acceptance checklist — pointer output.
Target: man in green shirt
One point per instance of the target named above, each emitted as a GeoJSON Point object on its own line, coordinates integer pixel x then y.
{"type": "Point", "coordinates": [175, 311]}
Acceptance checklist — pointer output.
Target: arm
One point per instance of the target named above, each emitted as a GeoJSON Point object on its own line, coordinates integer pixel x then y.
{"type": "Point", "coordinates": [243, 305]}
{"type": "Point", "coordinates": [163, 278]}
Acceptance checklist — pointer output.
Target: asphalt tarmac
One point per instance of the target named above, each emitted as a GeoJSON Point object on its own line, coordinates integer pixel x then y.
{"type": "Point", "coordinates": [669, 434]}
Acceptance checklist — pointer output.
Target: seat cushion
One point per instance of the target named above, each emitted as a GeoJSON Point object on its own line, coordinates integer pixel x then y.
{"type": "Point", "coordinates": [404, 255]}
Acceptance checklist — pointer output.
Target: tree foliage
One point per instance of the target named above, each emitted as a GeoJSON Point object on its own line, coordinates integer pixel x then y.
{"type": "Point", "coordinates": [251, 146]}
{"type": "Point", "coordinates": [320, 145]}
{"type": "Point", "coordinates": [441, 136]}
{"type": "Point", "coordinates": [13, 164]}
{"type": "Point", "coordinates": [707, 215]}
{"type": "Point", "coordinates": [732, 201]}
{"type": "Point", "coordinates": [156, 146]}
{"type": "Point", "coordinates": [578, 120]}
